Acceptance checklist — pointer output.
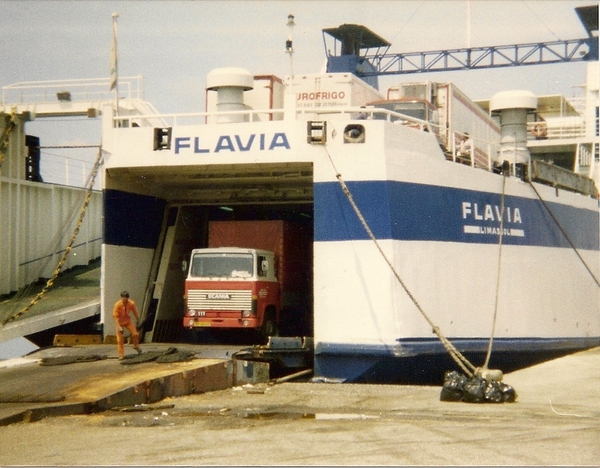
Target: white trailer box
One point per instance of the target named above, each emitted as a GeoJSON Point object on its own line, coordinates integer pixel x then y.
{"type": "Point", "coordinates": [335, 90]}
{"type": "Point", "coordinates": [458, 116]}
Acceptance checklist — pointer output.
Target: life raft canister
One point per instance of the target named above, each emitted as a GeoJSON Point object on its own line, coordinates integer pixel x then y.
{"type": "Point", "coordinates": [539, 130]}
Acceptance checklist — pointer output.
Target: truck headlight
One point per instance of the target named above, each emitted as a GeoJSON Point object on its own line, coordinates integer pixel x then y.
{"type": "Point", "coordinates": [192, 313]}
{"type": "Point", "coordinates": [246, 313]}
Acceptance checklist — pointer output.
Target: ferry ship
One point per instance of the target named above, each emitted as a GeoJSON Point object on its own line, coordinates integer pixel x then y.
{"type": "Point", "coordinates": [423, 211]}
{"type": "Point", "coordinates": [422, 207]}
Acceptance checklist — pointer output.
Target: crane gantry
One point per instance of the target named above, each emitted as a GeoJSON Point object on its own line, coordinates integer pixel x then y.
{"type": "Point", "coordinates": [356, 44]}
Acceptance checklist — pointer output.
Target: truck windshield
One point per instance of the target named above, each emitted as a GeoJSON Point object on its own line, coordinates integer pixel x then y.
{"type": "Point", "coordinates": [222, 265]}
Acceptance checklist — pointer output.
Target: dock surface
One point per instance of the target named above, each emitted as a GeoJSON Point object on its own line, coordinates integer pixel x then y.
{"type": "Point", "coordinates": [555, 421]}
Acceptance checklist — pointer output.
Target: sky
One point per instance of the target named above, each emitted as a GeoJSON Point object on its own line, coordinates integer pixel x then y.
{"type": "Point", "coordinates": [175, 44]}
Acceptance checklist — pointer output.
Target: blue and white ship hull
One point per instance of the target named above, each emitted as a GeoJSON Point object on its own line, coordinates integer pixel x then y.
{"type": "Point", "coordinates": [439, 225]}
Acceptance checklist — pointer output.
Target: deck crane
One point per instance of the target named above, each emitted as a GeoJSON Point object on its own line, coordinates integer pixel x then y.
{"type": "Point", "coordinates": [356, 44]}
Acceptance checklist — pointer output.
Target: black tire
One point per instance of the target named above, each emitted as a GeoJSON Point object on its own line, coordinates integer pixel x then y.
{"type": "Point", "coordinates": [268, 328]}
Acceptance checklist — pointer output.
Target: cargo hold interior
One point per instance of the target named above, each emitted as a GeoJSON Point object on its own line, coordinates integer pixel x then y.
{"type": "Point", "coordinates": [155, 216]}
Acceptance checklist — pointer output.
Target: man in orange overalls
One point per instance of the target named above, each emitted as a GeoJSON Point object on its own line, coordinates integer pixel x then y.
{"type": "Point", "coordinates": [123, 320]}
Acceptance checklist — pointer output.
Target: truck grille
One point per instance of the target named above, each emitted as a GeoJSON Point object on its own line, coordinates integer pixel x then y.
{"type": "Point", "coordinates": [223, 299]}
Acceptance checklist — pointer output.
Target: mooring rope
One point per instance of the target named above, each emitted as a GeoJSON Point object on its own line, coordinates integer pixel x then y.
{"type": "Point", "coordinates": [461, 360]}
{"type": "Point", "coordinates": [69, 247]}
{"type": "Point", "coordinates": [497, 298]}
{"type": "Point", "coordinates": [564, 233]}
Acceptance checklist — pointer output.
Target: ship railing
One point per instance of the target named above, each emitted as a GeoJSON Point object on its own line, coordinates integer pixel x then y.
{"type": "Point", "coordinates": [91, 89]}
{"type": "Point", "coordinates": [458, 147]}
{"type": "Point", "coordinates": [470, 150]}
{"type": "Point", "coordinates": [568, 121]}
{"type": "Point", "coordinates": [370, 113]}
{"type": "Point", "coordinates": [261, 115]}
{"type": "Point", "coordinates": [556, 129]}
{"type": "Point", "coordinates": [200, 118]}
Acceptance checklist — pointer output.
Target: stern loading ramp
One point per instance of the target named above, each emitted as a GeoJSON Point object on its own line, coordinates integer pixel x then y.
{"type": "Point", "coordinates": [100, 384]}
{"type": "Point", "coordinates": [68, 380]}
{"type": "Point", "coordinates": [184, 200]}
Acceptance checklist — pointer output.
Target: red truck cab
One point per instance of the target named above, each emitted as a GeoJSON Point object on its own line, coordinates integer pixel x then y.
{"type": "Point", "coordinates": [231, 287]}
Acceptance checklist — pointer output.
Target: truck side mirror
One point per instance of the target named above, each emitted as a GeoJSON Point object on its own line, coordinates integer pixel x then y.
{"type": "Point", "coordinates": [264, 265]}
{"type": "Point", "coordinates": [184, 266]}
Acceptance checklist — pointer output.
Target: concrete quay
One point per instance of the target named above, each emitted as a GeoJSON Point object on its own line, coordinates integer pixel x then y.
{"type": "Point", "coordinates": [555, 421]}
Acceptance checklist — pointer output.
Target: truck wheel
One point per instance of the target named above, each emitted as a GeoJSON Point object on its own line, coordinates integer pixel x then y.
{"type": "Point", "coordinates": [268, 328]}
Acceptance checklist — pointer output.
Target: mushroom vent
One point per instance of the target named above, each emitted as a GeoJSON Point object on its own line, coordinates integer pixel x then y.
{"type": "Point", "coordinates": [513, 107]}
{"type": "Point", "coordinates": [230, 84]}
